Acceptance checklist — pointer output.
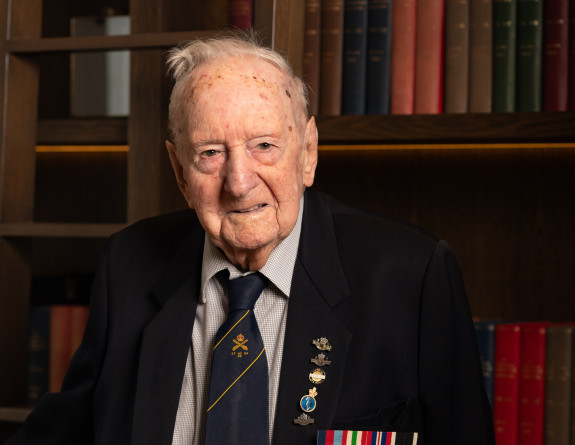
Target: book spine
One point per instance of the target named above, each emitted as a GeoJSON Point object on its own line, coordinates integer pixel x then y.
{"type": "Point", "coordinates": [558, 384]}
{"type": "Point", "coordinates": [555, 57]}
{"type": "Point", "coordinates": [529, 52]}
{"type": "Point", "coordinates": [506, 383]}
{"type": "Point", "coordinates": [485, 332]}
{"type": "Point", "coordinates": [60, 324]}
{"type": "Point", "coordinates": [241, 13]}
{"type": "Point", "coordinates": [403, 37]}
{"type": "Point", "coordinates": [504, 44]}
{"type": "Point", "coordinates": [429, 57]}
{"type": "Point", "coordinates": [456, 56]}
{"type": "Point", "coordinates": [571, 81]}
{"type": "Point", "coordinates": [480, 56]}
{"type": "Point", "coordinates": [532, 384]}
{"type": "Point", "coordinates": [311, 54]}
{"type": "Point", "coordinates": [354, 57]}
{"type": "Point", "coordinates": [378, 56]}
{"type": "Point", "coordinates": [331, 57]}
{"type": "Point", "coordinates": [78, 320]}
{"type": "Point", "coordinates": [38, 353]}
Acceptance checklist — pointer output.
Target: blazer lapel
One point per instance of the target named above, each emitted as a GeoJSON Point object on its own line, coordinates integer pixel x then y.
{"type": "Point", "coordinates": [165, 345]}
{"type": "Point", "coordinates": [318, 285]}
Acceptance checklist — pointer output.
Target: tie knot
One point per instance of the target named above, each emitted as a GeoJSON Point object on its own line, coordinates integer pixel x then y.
{"type": "Point", "coordinates": [244, 292]}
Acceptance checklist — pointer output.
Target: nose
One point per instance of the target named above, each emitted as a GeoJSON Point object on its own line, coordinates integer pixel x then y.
{"type": "Point", "coordinates": [240, 176]}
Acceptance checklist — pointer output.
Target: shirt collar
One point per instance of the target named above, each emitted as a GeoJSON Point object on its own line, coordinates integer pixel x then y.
{"type": "Point", "coordinates": [278, 269]}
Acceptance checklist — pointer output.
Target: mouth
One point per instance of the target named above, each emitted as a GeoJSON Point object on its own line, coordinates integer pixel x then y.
{"type": "Point", "coordinates": [251, 209]}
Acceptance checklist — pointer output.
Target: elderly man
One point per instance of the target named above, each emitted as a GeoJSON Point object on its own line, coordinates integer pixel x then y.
{"type": "Point", "coordinates": [347, 320]}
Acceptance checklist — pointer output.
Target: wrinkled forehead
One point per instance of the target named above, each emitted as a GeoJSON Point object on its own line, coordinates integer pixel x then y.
{"type": "Point", "coordinates": [233, 75]}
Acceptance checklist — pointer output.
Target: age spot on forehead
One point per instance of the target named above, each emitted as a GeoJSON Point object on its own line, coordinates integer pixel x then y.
{"type": "Point", "coordinates": [290, 128]}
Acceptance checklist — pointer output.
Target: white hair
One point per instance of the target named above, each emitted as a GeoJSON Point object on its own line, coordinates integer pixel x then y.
{"type": "Point", "coordinates": [184, 60]}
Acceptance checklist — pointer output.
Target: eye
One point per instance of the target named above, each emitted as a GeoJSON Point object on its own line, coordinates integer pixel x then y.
{"type": "Point", "coordinates": [209, 153]}
{"type": "Point", "coordinates": [265, 145]}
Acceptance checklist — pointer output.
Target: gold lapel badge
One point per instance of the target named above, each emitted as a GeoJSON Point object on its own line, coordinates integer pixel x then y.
{"type": "Point", "coordinates": [303, 419]}
{"type": "Point", "coordinates": [317, 376]}
{"type": "Point", "coordinates": [322, 344]}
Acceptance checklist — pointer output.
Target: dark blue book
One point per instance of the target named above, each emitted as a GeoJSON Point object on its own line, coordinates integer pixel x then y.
{"type": "Point", "coordinates": [38, 353]}
{"type": "Point", "coordinates": [485, 333]}
{"type": "Point", "coordinates": [378, 56]}
{"type": "Point", "coordinates": [354, 57]}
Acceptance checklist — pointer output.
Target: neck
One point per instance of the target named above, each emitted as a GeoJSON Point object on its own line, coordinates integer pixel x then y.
{"type": "Point", "coordinates": [248, 260]}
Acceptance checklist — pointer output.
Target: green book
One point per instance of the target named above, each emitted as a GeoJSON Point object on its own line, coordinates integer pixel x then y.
{"type": "Point", "coordinates": [529, 53]}
{"type": "Point", "coordinates": [504, 42]}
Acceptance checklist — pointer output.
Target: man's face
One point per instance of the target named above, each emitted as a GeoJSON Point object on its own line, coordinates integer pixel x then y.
{"type": "Point", "coordinates": [247, 161]}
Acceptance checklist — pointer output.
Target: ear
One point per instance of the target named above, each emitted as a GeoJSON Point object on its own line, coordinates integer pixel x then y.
{"type": "Point", "coordinates": [179, 172]}
{"type": "Point", "coordinates": [310, 152]}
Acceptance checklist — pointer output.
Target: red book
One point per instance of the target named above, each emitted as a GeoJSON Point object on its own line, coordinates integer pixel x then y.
{"type": "Point", "coordinates": [241, 14]}
{"type": "Point", "coordinates": [555, 54]}
{"type": "Point", "coordinates": [78, 320]}
{"type": "Point", "coordinates": [571, 82]}
{"type": "Point", "coordinates": [532, 384]}
{"type": "Point", "coordinates": [403, 38]}
{"type": "Point", "coordinates": [506, 382]}
{"type": "Point", "coordinates": [60, 324]}
{"type": "Point", "coordinates": [429, 57]}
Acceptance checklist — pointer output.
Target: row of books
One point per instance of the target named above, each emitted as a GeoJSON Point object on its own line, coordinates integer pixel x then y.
{"type": "Point", "coordinates": [55, 332]}
{"type": "Point", "coordinates": [529, 375]}
{"type": "Point", "coordinates": [435, 56]}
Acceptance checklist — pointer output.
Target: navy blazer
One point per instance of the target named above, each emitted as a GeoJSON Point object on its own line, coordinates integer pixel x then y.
{"type": "Point", "coordinates": [388, 296]}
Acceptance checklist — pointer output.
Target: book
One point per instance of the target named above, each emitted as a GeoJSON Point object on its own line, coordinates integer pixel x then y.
{"type": "Point", "coordinates": [311, 52]}
{"type": "Point", "coordinates": [480, 56]}
{"type": "Point", "coordinates": [241, 13]}
{"type": "Point", "coordinates": [60, 334]}
{"type": "Point", "coordinates": [571, 83]}
{"type": "Point", "coordinates": [456, 56]}
{"type": "Point", "coordinates": [354, 57]}
{"type": "Point", "coordinates": [485, 333]}
{"type": "Point", "coordinates": [504, 46]}
{"type": "Point", "coordinates": [532, 384]}
{"type": "Point", "coordinates": [78, 320]}
{"type": "Point", "coordinates": [429, 57]}
{"type": "Point", "coordinates": [331, 57]}
{"type": "Point", "coordinates": [38, 353]}
{"type": "Point", "coordinates": [403, 21]}
{"type": "Point", "coordinates": [559, 363]}
{"type": "Point", "coordinates": [378, 56]}
{"type": "Point", "coordinates": [529, 54]}
{"type": "Point", "coordinates": [506, 383]}
{"type": "Point", "coordinates": [555, 55]}
{"type": "Point", "coordinates": [100, 81]}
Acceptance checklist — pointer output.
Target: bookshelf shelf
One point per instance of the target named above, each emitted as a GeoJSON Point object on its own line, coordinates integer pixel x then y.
{"type": "Point", "coordinates": [448, 128]}
{"type": "Point", "coordinates": [13, 414]}
{"type": "Point", "coordinates": [60, 230]}
{"type": "Point", "coordinates": [105, 43]}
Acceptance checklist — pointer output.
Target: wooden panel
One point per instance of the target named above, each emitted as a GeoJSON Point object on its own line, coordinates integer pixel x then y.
{"type": "Point", "coordinates": [508, 214]}
{"type": "Point", "coordinates": [106, 131]}
{"type": "Point", "coordinates": [288, 31]}
{"type": "Point", "coordinates": [494, 127]}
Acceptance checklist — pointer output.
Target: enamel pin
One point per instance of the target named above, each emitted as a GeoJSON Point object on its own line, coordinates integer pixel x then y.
{"type": "Point", "coordinates": [303, 420]}
{"type": "Point", "coordinates": [322, 344]}
{"type": "Point", "coordinates": [307, 403]}
{"type": "Point", "coordinates": [317, 376]}
{"type": "Point", "coordinates": [320, 360]}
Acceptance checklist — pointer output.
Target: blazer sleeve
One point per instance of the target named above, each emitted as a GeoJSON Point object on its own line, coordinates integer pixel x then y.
{"type": "Point", "coordinates": [67, 417]}
{"type": "Point", "coordinates": [454, 402]}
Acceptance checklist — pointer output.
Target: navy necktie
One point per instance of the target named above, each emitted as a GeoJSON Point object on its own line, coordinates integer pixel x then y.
{"type": "Point", "coordinates": [237, 411]}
